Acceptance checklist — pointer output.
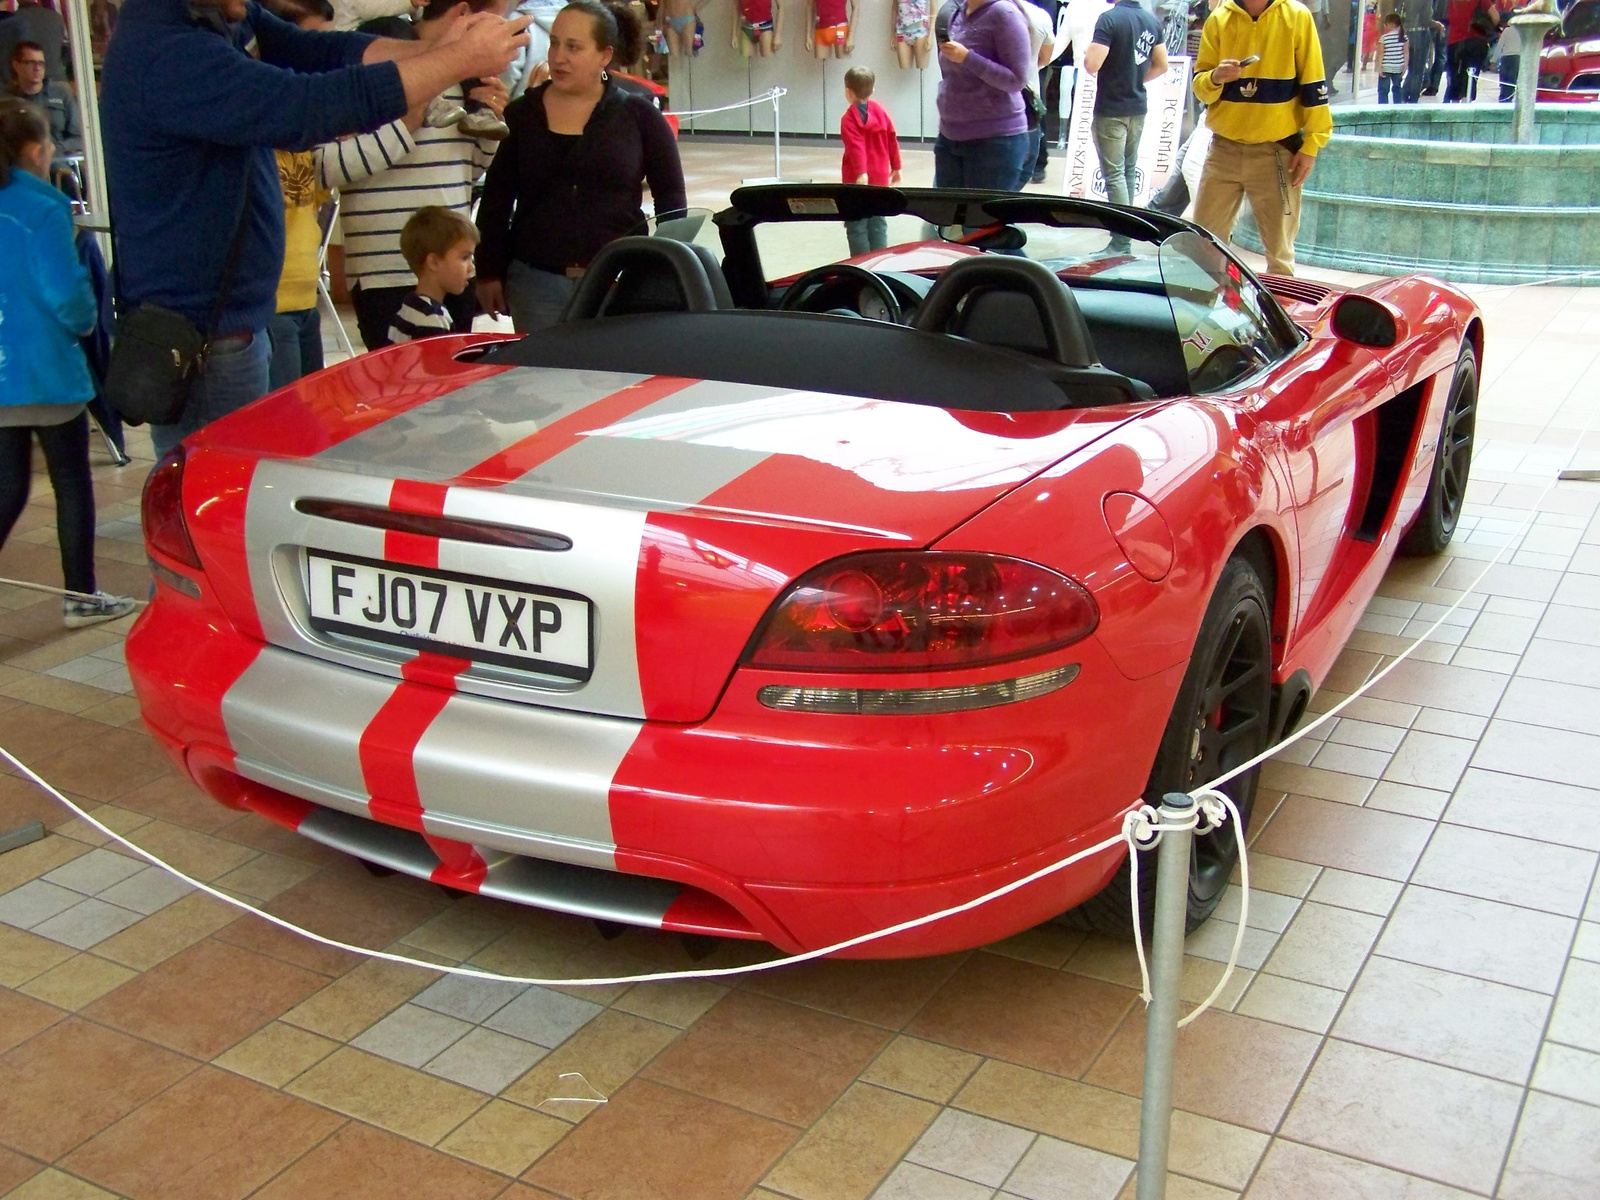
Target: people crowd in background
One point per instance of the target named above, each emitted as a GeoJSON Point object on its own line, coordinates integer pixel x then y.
{"type": "Point", "coordinates": [31, 82]}
{"type": "Point", "coordinates": [984, 60]}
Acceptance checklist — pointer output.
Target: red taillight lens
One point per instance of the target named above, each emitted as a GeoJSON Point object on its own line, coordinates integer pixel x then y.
{"type": "Point", "coordinates": [162, 507]}
{"type": "Point", "coordinates": [921, 611]}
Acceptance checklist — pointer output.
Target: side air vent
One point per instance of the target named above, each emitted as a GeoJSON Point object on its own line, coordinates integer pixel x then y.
{"type": "Point", "coordinates": [1301, 290]}
{"type": "Point", "coordinates": [454, 529]}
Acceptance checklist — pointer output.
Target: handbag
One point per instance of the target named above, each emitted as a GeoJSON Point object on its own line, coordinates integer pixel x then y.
{"type": "Point", "coordinates": [158, 353]}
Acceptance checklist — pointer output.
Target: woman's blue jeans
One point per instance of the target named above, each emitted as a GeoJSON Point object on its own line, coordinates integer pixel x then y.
{"type": "Point", "coordinates": [991, 163]}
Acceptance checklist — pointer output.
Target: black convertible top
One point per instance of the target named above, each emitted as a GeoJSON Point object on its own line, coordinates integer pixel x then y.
{"type": "Point", "coordinates": [816, 353]}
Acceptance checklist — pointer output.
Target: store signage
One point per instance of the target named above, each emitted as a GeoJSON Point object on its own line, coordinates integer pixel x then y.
{"type": "Point", "coordinates": [1158, 149]}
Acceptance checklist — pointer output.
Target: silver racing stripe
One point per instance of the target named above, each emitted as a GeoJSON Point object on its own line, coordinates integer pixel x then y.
{"type": "Point", "coordinates": [484, 769]}
{"type": "Point", "coordinates": [454, 433]}
{"type": "Point", "coordinates": [295, 717]}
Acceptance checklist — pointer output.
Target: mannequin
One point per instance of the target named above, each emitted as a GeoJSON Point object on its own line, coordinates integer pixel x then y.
{"type": "Point", "coordinates": [913, 32]}
{"type": "Point", "coordinates": [676, 21]}
{"type": "Point", "coordinates": [833, 27]}
{"type": "Point", "coordinates": [759, 29]}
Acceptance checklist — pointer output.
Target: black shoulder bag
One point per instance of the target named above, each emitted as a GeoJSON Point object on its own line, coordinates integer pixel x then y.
{"type": "Point", "coordinates": [158, 353]}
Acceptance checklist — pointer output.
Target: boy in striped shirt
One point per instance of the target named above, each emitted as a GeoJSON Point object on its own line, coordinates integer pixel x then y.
{"type": "Point", "coordinates": [1392, 59]}
{"type": "Point", "coordinates": [437, 244]}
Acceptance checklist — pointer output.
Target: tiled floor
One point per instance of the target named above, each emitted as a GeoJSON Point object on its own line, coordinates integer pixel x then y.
{"type": "Point", "coordinates": [1416, 1016]}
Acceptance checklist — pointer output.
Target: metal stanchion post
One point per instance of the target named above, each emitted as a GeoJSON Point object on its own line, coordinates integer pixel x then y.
{"type": "Point", "coordinates": [777, 112]}
{"type": "Point", "coordinates": [1166, 969]}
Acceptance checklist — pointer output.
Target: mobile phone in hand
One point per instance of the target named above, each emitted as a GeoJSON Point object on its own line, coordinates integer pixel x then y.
{"type": "Point", "coordinates": [1251, 61]}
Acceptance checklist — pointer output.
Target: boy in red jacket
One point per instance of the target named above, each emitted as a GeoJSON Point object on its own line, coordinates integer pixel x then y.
{"type": "Point", "coordinates": [871, 155]}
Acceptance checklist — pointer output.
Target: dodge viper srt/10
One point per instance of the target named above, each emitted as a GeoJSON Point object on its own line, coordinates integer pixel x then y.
{"type": "Point", "coordinates": [779, 594]}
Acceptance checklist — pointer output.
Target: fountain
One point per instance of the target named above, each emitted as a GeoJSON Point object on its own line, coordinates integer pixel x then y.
{"type": "Point", "coordinates": [1473, 193]}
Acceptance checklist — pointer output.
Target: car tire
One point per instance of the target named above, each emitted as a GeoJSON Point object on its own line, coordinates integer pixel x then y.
{"type": "Point", "coordinates": [1435, 522]}
{"type": "Point", "coordinates": [1222, 717]}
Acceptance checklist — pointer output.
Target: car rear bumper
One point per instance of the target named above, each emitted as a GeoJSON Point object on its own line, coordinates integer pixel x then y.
{"type": "Point", "coordinates": [799, 829]}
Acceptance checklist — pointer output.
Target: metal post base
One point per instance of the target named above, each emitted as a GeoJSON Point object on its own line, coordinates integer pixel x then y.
{"type": "Point", "coordinates": [33, 831]}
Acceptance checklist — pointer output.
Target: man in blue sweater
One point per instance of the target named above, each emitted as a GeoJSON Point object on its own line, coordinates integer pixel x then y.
{"type": "Point", "coordinates": [195, 98]}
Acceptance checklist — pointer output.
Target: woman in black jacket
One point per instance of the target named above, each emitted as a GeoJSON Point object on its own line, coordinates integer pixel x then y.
{"type": "Point", "coordinates": [570, 177]}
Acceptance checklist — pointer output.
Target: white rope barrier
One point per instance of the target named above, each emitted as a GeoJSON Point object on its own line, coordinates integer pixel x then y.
{"type": "Point", "coordinates": [55, 591]}
{"type": "Point", "coordinates": [773, 96]}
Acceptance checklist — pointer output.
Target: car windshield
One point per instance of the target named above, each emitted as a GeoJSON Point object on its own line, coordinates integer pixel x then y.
{"type": "Point", "coordinates": [789, 248]}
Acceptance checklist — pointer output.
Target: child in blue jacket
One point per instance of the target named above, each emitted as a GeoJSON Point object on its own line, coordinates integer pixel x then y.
{"type": "Point", "coordinates": [46, 305]}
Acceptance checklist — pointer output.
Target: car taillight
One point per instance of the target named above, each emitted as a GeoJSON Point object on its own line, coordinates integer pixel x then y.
{"type": "Point", "coordinates": [162, 508]}
{"type": "Point", "coordinates": [921, 611]}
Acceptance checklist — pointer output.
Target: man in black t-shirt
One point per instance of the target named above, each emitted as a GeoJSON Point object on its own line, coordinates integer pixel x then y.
{"type": "Point", "coordinates": [1127, 50]}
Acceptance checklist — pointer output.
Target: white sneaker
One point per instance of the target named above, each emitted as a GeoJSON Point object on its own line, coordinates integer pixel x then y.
{"type": "Point", "coordinates": [483, 124]}
{"type": "Point", "coordinates": [75, 614]}
{"type": "Point", "coordinates": [443, 112]}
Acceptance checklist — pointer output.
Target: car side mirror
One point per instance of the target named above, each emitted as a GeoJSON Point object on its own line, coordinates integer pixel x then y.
{"type": "Point", "coordinates": [1366, 322]}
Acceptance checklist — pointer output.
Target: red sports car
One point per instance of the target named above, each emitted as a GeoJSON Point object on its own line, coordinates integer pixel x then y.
{"type": "Point", "coordinates": [1569, 61]}
{"type": "Point", "coordinates": [780, 601]}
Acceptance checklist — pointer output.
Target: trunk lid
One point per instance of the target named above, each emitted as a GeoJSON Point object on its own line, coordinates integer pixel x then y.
{"type": "Point", "coordinates": [675, 509]}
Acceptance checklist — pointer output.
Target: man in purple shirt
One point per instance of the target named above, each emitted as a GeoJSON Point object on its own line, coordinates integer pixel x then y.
{"type": "Point", "coordinates": [983, 123]}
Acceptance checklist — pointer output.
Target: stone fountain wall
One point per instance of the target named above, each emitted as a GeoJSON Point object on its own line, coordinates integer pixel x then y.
{"type": "Point", "coordinates": [1441, 189]}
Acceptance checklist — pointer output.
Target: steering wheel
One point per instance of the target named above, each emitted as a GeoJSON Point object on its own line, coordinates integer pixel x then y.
{"type": "Point", "coordinates": [831, 272]}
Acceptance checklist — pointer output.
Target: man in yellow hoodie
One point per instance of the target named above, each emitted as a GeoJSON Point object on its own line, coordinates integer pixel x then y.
{"type": "Point", "coordinates": [1260, 74]}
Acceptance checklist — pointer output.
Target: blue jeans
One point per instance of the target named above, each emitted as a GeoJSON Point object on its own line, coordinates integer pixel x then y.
{"type": "Point", "coordinates": [1509, 65]}
{"type": "Point", "coordinates": [1419, 46]}
{"type": "Point", "coordinates": [1031, 158]}
{"type": "Point", "coordinates": [536, 298]}
{"type": "Point", "coordinates": [236, 373]}
{"type": "Point", "coordinates": [1389, 85]}
{"type": "Point", "coordinates": [1116, 141]}
{"type": "Point", "coordinates": [867, 234]}
{"type": "Point", "coordinates": [987, 163]}
{"type": "Point", "coordinates": [296, 339]}
{"type": "Point", "coordinates": [1441, 56]}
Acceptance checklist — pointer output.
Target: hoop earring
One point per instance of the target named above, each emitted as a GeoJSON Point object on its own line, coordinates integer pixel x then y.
{"type": "Point", "coordinates": [605, 75]}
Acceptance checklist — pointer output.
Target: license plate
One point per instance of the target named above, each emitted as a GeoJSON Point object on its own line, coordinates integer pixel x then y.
{"type": "Point", "coordinates": [486, 620]}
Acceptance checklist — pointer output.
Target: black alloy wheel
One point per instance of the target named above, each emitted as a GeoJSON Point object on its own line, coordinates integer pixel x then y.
{"type": "Point", "coordinates": [1220, 719]}
{"type": "Point", "coordinates": [1435, 523]}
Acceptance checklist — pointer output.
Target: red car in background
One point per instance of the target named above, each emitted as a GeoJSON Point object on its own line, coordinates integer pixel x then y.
{"type": "Point", "coordinates": [1569, 63]}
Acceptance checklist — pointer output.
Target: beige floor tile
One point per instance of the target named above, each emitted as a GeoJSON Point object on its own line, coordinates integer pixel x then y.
{"type": "Point", "coordinates": [1364, 893]}
{"type": "Point", "coordinates": [1413, 1116]}
{"type": "Point", "coordinates": [1522, 807]}
{"type": "Point", "coordinates": [1568, 1071]}
{"type": "Point", "coordinates": [24, 956]}
{"type": "Point", "coordinates": [1408, 801]}
{"type": "Point", "coordinates": [276, 1054]}
{"type": "Point", "coordinates": [920, 1068]}
{"type": "Point", "coordinates": [1291, 1002]}
{"type": "Point", "coordinates": [175, 928]}
{"type": "Point", "coordinates": [1478, 1026]}
{"type": "Point", "coordinates": [607, 1052]}
{"type": "Point", "coordinates": [1573, 1021]}
{"type": "Point", "coordinates": [385, 1094]}
{"type": "Point", "coordinates": [886, 993]}
{"type": "Point", "coordinates": [1312, 781]}
{"type": "Point", "coordinates": [26, 863]}
{"type": "Point", "coordinates": [265, 876]}
{"type": "Point", "coordinates": [1214, 1151]}
{"type": "Point", "coordinates": [460, 931]}
{"type": "Point", "coordinates": [1291, 1171]}
{"type": "Point", "coordinates": [1230, 1067]}
{"type": "Point", "coordinates": [1344, 836]}
{"type": "Point", "coordinates": [1047, 945]}
{"type": "Point", "coordinates": [58, 1185]}
{"type": "Point", "coordinates": [1285, 876]}
{"type": "Point", "coordinates": [360, 999]}
{"type": "Point", "coordinates": [504, 1137]}
{"type": "Point", "coordinates": [853, 1146]}
{"type": "Point", "coordinates": [1556, 1153]}
{"type": "Point", "coordinates": [77, 982]}
{"type": "Point", "coordinates": [679, 1003]}
{"type": "Point", "coordinates": [1063, 1108]}
{"type": "Point", "coordinates": [1512, 870]}
{"type": "Point", "coordinates": [195, 854]}
{"type": "Point", "coordinates": [1516, 946]}
{"type": "Point", "coordinates": [1325, 946]}
{"type": "Point", "coordinates": [1180, 1187]}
